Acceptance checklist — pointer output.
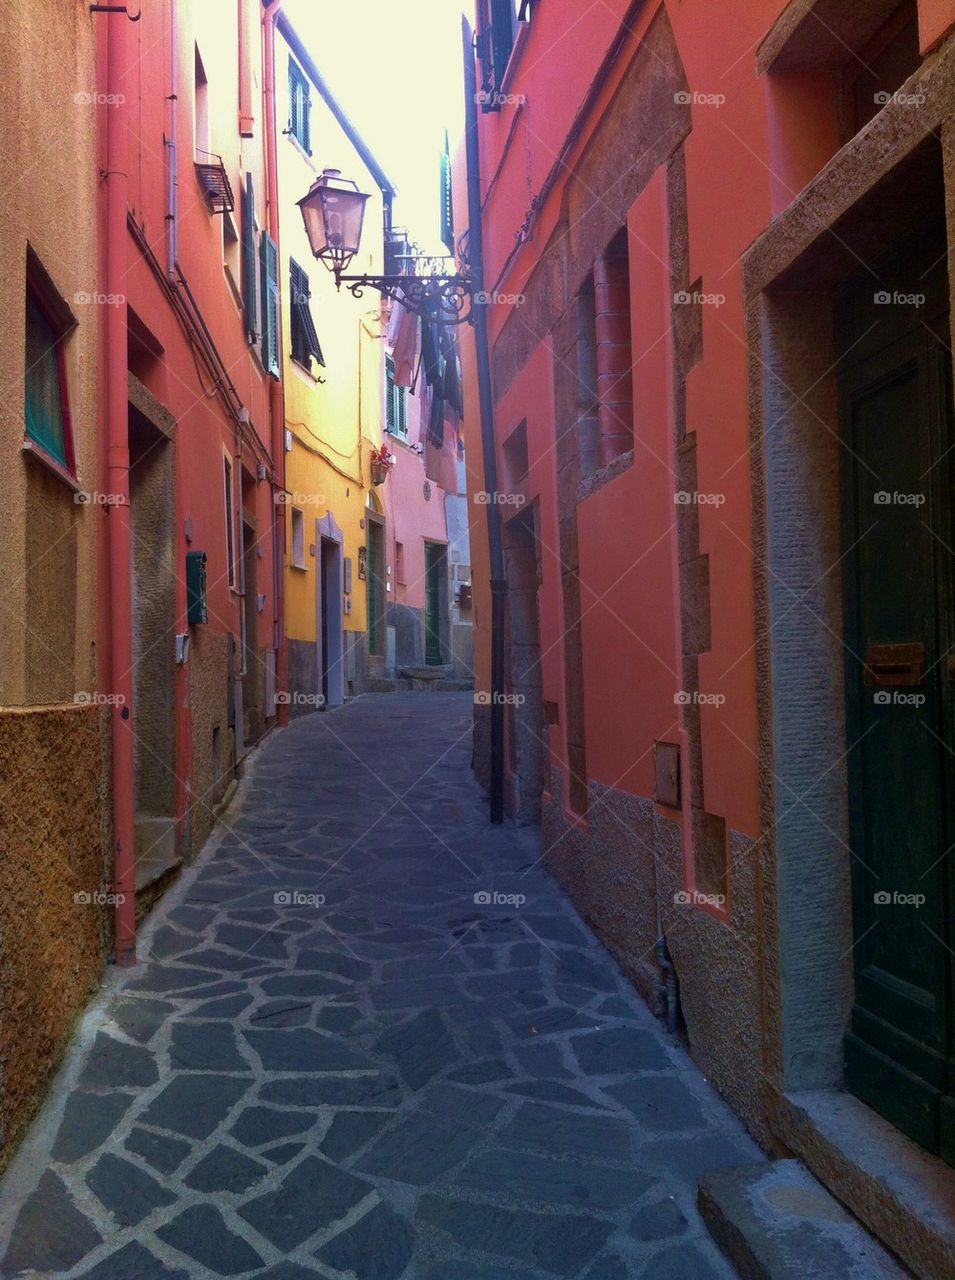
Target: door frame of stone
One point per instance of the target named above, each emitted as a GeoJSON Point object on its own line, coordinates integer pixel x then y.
{"type": "Point", "coordinates": [791, 274]}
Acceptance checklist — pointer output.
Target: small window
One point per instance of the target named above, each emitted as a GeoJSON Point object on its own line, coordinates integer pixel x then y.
{"type": "Point", "coordinates": [305, 344]}
{"type": "Point", "coordinates": [298, 539]}
{"type": "Point", "coordinates": [396, 405]}
{"type": "Point", "coordinates": [229, 520]}
{"type": "Point", "coordinates": [400, 563]}
{"type": "Point", "coordinates": [46, 400]}
{"type": "Point", "coordinates": [300, 107]}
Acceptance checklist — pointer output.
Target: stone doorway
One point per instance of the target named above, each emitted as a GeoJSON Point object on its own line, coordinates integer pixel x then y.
{"type": "Point", "coordinates": [528, 751]}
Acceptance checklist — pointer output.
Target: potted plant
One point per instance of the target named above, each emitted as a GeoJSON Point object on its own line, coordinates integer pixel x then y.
{"type": "Point", "coordinates": [382, 460]}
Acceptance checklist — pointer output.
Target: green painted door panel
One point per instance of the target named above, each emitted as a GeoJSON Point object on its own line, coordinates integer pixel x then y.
{"type": "Point", "coordinates": [897, 582]}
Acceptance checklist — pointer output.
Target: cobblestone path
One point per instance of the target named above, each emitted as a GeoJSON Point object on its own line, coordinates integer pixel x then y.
{"type": "Point", "coordinates": [351, 1051]}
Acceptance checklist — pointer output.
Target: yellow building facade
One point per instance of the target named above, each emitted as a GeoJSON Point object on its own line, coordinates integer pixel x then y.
{"type": "Point", "coordinates": [333, 374]}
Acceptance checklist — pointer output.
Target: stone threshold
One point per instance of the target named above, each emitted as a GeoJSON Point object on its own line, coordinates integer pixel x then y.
{"type": "Point", "coordinates": [774, 1221]}
{"type": "Point", "coordinates": [904, 1195]}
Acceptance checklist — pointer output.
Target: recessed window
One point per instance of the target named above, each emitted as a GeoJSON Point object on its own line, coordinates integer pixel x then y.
{"type": "Point", "coordinates": [298, 539]}
{"type": "Point", "coordinates": [300, 107]}
{"type": "Point", "coordinates": [46, 400]}
{"type": "Point", "coordinates": [232, 256]}
{"type": "Point", "coordinates": [400, 563]}
{"type": "Point", "coordinates": [229, 520]}
{"type": "Point", "coordinates": [396, 405]}
{"type": "Point", "coordinates": [305, 344]}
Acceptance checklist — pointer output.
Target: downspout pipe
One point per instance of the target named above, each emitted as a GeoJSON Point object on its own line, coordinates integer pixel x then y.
{"type": "Point", "coordinates": [172, 148]}
{"type": "Point", "coordinates": [276, 388]}
{"type": "Point", "coordinates": [118, 510]}
{"type": "Point", "coordinates": [486, 405]}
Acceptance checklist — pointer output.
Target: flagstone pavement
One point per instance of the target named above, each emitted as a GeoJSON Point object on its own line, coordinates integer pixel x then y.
{"type": "Point", "coordinates": [369, 1037]}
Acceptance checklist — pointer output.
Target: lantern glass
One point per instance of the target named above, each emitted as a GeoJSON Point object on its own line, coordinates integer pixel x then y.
{"type": "Point", "coordinates": [334, 212]}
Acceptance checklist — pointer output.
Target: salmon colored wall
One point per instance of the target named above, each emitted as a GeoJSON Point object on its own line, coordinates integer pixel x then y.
{"type": "Point", "coordinates": [627, 540]}
{"type": "Point", "coordinates": [204, 431]}
{"type": "Point", "coordinates": [936, 19]}
{"type": "Point", "coordinates": [755, 143]}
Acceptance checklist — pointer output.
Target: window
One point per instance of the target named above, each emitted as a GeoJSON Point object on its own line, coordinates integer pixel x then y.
{"type": "Point", "coordinates": [201, 118]}
{"type": "Point", "coordinates": [298, 539]}
{"type": "Point", "coordinates": [300, 107]}
{"type": "Point", "coordinates": [499, 22]}
{"type": "Point", "coordinates": [396, 406]}
{"type": "Point", "coordinates": [305, 344]}
{"type": "Point", "coordinates": [400, 563]}
{"type": "Point", "coordinates": [45, 400]}
{"type": "Point", "coordinates": [229, 521]}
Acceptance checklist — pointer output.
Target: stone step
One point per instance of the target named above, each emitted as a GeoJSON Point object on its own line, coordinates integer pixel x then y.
{"type": "Point", "coordinates": [386, 684]}
{"type": "Point", "coordinates": [156, 854]}
{"type": "Point", "coordinates": [774, 1221]}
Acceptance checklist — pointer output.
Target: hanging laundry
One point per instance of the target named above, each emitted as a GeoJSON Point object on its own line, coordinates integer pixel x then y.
{"type": "Point", "coordinates": [404, 341]}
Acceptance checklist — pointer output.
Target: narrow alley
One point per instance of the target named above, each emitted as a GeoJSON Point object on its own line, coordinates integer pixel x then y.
{"type": "Point", "coordinates": [370, 1033]}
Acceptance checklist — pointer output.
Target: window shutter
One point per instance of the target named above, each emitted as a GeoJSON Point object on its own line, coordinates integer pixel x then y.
{"type": "Point", "coordinates": [249, 292]}
{"type": "Point", "coordinates": [389, 394]}
{"type": "Point", "coordinates": [447, 208]}
{"type": "Point", "coordinates": [502, 36]}
{"type": "Point", "coordinates": [306, 118]}
{"type": "Point", "coordinates": [270, 306]}
{"type": "Point", "coordinates": [293, 98]}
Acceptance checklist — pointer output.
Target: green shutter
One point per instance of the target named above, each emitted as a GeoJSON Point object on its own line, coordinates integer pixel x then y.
{"type": "Point", "coordinates": [270, 306]}
{"type": "Point", "coordinates": [300, 107]}
{"type": "Point", "coordinates": [389, 394]}
{"type": "Point", "coordinates": [447, 207]}
{"type": "Point", "coordinates": [250, 298]}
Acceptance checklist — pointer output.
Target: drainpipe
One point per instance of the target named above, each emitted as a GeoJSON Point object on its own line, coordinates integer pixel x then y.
{"type": "Point", "coordinates": [172, 149]}
{"type": "Point", "coordinates": [118, 512]}
{"type": "Point", "coordinates": [276, 388]}
{"type": "Point", "coordinates": [486, 402]}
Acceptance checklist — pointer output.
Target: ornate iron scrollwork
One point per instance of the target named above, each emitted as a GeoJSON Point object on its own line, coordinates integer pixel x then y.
{"type": "Point", "coordinates": [432, 293]}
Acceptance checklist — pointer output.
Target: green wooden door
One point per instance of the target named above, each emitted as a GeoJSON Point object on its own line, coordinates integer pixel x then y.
{"type": "Point", "coordinates": [432, 603]}
{"type": "Point", "coordinates": [897, 575]}
{"type": "Point", "coordinates": [375, 592]}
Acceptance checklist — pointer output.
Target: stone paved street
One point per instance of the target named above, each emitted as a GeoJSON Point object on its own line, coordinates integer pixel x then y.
{"type": "Point", "coordinates": [397, 1078]}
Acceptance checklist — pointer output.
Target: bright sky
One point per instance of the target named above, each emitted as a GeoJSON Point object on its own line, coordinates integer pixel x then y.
{"type": "Point", "coordinates": [396, 68]}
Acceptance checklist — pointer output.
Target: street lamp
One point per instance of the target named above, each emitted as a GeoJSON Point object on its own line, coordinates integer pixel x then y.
{"type": "Point", "coordinates": [334, 212]}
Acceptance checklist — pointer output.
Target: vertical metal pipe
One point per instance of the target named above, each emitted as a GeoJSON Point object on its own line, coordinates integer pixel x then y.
{"type": "Point", "coordinates": [118, 517]}
{"type": "Point", "coordinates": [172, 148]}
{"type": "Point", "coordinates": [276, 385]}
{"type": "Point", "coordinates": [486, 404]}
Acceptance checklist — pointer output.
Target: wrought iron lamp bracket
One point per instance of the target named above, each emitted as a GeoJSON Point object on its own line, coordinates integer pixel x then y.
{"type": "Point", "coordinates": [448, 298]}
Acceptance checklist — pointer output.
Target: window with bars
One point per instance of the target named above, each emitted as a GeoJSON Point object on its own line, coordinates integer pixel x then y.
{"type": "Point", "coordinates": [305, 344]}
{"type": "Point", "coordinates": [396, 406]}
{"type": "Point", "coordinates": [300, 107]}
